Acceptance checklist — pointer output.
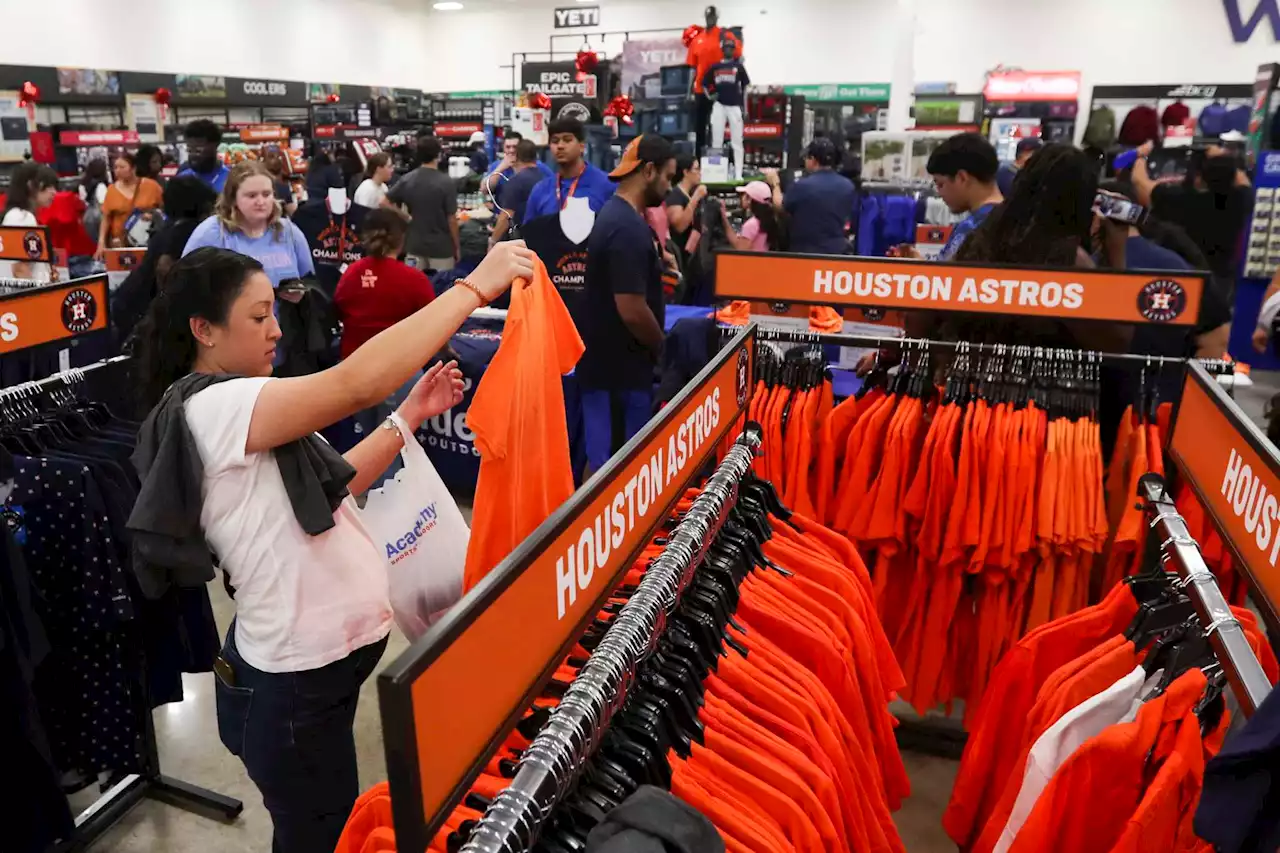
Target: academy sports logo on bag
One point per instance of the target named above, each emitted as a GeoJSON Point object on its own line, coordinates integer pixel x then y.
{"type": "Point", "coordinates": [408, 543]}
{"type": "Point", "coordinates": [79, 310]}
{"type": "Point", "coordinates": [1162, 301]}
{"type": "Point", "coordinates": [33, 245]}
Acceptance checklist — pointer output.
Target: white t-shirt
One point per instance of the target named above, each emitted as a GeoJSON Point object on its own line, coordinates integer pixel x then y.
{"type": "Point", "coordinates": [301, 601]}
{"type": "Point", "coordinates": [24, 219]}
{"type": "Point", "coordinates": [370, 193]}
{"type": "Point", "coordinates": [1119, 703]}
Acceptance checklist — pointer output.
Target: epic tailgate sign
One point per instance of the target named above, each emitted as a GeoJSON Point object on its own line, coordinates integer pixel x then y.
{"type": "Point", "coordinates": [1236, 473]}
{"type": "Point", "coordinates": [453, 697]}
{"type": "Point", "coordinates": [1070, 294]}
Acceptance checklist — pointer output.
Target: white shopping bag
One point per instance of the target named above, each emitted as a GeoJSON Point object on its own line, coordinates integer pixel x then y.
{"type": "Point", "coordinates": [422, 534]}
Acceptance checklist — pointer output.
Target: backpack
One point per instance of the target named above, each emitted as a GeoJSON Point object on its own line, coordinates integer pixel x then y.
{"type": "Point", "coordinates": [1213, 120]}
{"type": "Point", "coordinates": [93, 214]}
{"type": "Point", "coordinates": [1100, 132]}
{"type": "Point", "coordinates": [1140, 126]}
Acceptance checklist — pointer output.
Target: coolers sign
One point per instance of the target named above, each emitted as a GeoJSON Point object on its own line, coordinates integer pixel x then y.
{"type": "Point", "coordinates": [1074, 294]}
{"type": "Point", "coordinates": [257, 91]}
{"type": "Point", "coordinates": [541, 597]}
{"type": "Point", "coordinates": [1236, 473]}
{"type": "Point", "coordinates": [1033, 86]}
{"type": "Point", "coordinates": [570, 97]}
{"type": "Point", "coordinates": [52, 313]}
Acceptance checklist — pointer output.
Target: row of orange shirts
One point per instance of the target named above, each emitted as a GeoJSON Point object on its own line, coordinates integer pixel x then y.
{"type": "Point", "coordinates": [1132, 788]}
{"type": "Point", "coordinates": [811, 697]}
{"type": "Point", "coordinates": [1139, 450]}
{"type": "Point", "coordinates": [799, 750]}
{"type": "Point", "coordinates": [822, 319]}
{"type": "Point", "coordinates": [980, 521]}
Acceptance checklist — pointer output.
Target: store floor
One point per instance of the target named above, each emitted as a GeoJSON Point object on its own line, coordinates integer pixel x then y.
{"type": "Point", "coordinates": [190, 750]}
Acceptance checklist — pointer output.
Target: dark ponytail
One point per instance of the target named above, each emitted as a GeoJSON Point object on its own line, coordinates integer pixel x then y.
{"type": "Point", "coordinates": [203, 284]}
{"type": "Point", "coordinates": [772, 224]}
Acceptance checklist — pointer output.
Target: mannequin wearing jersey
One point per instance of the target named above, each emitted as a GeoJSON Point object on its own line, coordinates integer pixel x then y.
{"type": "Point", "coordinates": [725, 83]}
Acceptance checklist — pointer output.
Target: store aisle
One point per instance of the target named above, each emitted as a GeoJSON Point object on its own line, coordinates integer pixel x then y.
{"type": "Point", "coordinates": [190, 750]}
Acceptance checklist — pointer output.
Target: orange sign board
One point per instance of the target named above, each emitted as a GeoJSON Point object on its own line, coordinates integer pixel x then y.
{"type": "Point", "coordinates": [1236, 472]}
{"type": "Point", "coordinates": [123, 260]}
{"type": "Point", "coordinates": [449, 701]}
{"type": "Point", "coordinates": [52, 313]}
{"type": "Point", "coordinates": [264, 133]}
{"type": "Point", "coordinates": [18, 243]}
{"type": "Point", "coordinates": [1069, 294]}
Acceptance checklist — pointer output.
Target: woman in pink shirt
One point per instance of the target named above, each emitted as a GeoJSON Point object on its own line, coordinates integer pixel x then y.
{"type": "Point", "coordinates": [766, 230]}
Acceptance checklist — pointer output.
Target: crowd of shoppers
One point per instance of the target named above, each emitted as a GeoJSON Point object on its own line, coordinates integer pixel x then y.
{"type": "Point", "coordinates": [201, 312]}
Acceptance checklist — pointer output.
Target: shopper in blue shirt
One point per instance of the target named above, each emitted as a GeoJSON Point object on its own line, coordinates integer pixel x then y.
{"type": "Point", "coordinates": [248, 220]}
{"type": "Point", "coordinates": [964, 171]}
{"type": "Point", "coordinates": [821, 204]}
{"type": "Point", "coordinates": [203, 138]}
{"type": "Point", "coordinates": [576, 176]}
{"type": "Point", "coordinates": [514, 194]}
{"type": "Point", "coordinates": [505, 169]}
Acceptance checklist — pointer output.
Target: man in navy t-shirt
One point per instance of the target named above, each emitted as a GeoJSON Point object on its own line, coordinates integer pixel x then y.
{"type": "Point", "coordinates": [513, 196]}
{"type": "Point", "coordinates": [964, 171]}
{"type": "Point", "coordinates": [820, 204]}
{"type": "Point", "coordinates": [576, 176]}
{"type": "Point", "coordinates": [505, 169]}
{"type": "Point", "coordinates": [622, 323]}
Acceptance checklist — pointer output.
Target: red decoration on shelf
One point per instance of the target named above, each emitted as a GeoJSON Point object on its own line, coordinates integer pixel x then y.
{"type": "Point", "coordinates": [691, 32]}
{"type": "Point", "coordinates": [28, 97]}
{"type": "Point", "coordinates": [621, 107]}
{"type": "Point", "coordinates": [332, 98]}
{"type": "Point", "coordinates": [586, 62]}
{"type": "Point", "coordinates": [540, 101]}
{"type": "Point", "coordinates": [163, 98]}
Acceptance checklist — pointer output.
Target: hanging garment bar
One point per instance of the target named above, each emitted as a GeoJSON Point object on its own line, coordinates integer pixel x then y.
{"type": "Point", "coordinates": [514, 820]}
{"type": "Point", "coordinates": [1222, 629]}
{"type": "Point", "coordinates": [841, 339]}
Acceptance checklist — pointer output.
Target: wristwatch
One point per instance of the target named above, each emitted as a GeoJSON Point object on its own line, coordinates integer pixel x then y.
{"type": "Point", "coordinates": [395, 423]}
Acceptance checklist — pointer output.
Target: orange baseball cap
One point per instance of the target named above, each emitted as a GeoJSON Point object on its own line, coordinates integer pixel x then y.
{"type": "Point", "coordinates": [647, 148]}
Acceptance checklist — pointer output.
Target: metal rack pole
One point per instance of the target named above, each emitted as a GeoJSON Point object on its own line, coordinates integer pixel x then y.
{"type": "Point", "coordinates": [841, 339]}
{"type": "Point", "coordinates": [547, 771]}
{"type": "Point", "coordinates": [1224, 631]}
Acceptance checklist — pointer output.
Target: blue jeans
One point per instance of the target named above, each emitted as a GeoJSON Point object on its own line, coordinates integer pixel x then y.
{"type": "Point", "coordinates": [293, 731]}
{"type": "Point", "coordinates": [369, 419]}
{"type": "Point", "coordinates": [610, 419]}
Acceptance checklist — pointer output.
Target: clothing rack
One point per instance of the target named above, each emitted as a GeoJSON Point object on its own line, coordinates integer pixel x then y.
{"type": "Point", "coordinates": [872, 341]}
{"type": "Point", "coordinates": [548, 768]}
{"type": "Point", "coordinates": [122, 796]}
{"type": "Point", "coordinates": [1224, 632]}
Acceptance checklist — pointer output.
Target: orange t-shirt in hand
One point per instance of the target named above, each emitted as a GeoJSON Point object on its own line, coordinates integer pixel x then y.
{"type": "Point", "coordinates": [518, 419]}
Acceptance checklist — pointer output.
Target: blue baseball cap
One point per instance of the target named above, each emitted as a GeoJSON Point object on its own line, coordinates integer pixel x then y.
{"type": "Point", "coordinates": [1125, 160]}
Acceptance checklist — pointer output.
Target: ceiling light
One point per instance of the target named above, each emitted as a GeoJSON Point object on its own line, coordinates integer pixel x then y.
{"type": "Point", "coordinates": [446, 7]}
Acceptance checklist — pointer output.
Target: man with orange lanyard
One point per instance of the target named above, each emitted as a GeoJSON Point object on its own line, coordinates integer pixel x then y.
{"type": "Point", "coordinates": [575, 176]}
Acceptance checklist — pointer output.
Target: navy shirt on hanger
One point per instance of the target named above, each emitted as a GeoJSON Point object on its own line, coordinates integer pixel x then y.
{"type": "Point", "coordinates": [727, 79]}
